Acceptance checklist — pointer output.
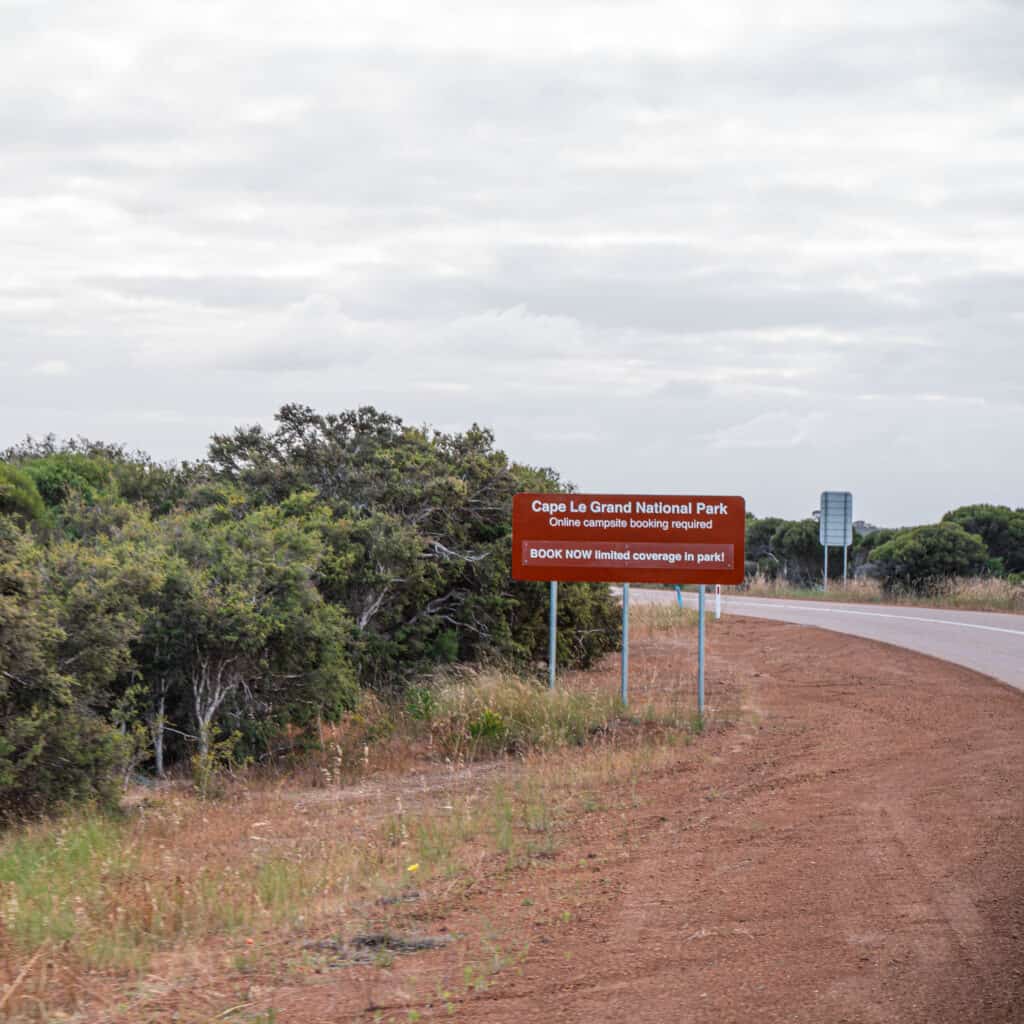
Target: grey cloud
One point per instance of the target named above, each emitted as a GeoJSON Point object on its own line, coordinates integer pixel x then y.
{"type": "Point", "coordinates": [658, 288]}
{"type": "Point", "coordinates": [698, 305]}
{"type": "Point", "coordinates": [30, 120]}
{"type": "Point", "coordinates": [979, 293]}
{"type": "Point", "coordinates": [227, 291]}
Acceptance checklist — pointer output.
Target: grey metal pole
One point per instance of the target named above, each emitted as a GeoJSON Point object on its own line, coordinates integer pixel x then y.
{"type": "Point", "coordinates": [624, 687]}
{"type": "Point", "coordinates": [552, 633]}
{"type": "Point", "coordinates": [700, 651]}
{"type": "Point", "coordinates": [826, 567]}
{"type": "Point", "coordinates": [845, 549]}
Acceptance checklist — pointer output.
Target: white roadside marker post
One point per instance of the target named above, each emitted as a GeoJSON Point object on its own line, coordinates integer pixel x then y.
{"type": "Point", "coordinates": [624, 687]}
{"type": "Point", "coordinates": [552, 633]}
{"type": "Point", "coordinates": [700, 650]}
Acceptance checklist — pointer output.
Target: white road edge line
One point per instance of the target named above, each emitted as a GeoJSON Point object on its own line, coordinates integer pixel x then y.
{"type": "Point", "coordinates": [809, 607]}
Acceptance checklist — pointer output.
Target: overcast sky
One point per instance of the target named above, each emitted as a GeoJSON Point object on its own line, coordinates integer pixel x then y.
{"type": "Point", "coordinates": [735, 247]}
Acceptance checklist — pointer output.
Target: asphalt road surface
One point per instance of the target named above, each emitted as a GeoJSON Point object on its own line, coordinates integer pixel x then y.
{"type": "Point", "coordinates": [987, 642]}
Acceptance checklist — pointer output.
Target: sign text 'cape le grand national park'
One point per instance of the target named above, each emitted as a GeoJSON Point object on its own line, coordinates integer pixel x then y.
{"type": "Point", "coordinates": [628, 538]}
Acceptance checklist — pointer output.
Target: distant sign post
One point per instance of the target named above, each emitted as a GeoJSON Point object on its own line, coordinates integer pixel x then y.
{"type": "Point", "coordinates": [835, 526]}
{"type": "Point", "coordinates": [628, 538]}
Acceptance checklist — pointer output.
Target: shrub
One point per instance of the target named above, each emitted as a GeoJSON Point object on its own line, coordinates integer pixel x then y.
{"type": "Point", "coordinates": [63, 474]}
{"type": "Point", "coordinates": [1000, 527]}
{"type": "Point", "coordinates": [53, 748]}
{"type": "Point", "coordinates": [920, 558]}
{"type": "Point", "coordinates": [485, 714]}
{"type": "Point", "coordinates": [19, 496]}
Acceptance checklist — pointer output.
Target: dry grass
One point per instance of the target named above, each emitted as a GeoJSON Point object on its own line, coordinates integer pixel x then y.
{"type": "Point", "coordinates": [459, 716]}
{"type": "Point", "coordinates": [482, 715]}
{"type": "Point", "coordinates": [986, 593]}
{"type": "Point", "coordinates": [120, 901]}
{"type": "Point", "coordinates": [867, 591]}
{"type": "Point", "coordinates": [143, 912]}
{"type": "Point", "coordinates": [127, 919]}
{"type": "Point", "coordinates": [983, 594]}
{"type": "Point", "coordinates": [665, 622]}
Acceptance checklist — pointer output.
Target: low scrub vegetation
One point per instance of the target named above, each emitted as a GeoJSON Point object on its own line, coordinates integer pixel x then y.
{"type": "Point", "coordinates": [153, 617]}
{"type": "Point", "coordinates": [666, 620]}
{"type": "Point", "coordinates": [489, 714]}
{"type": "Point", "coordinates": [455, 717]}
{"type": "Point", "coordinates": [985, 593]}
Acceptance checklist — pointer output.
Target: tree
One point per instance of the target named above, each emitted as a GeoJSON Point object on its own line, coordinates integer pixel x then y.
{"type": "Point", "coordinates": [92, 468]}
{"type": "Point", "coordinates": [921, 557]}
{"type": "Point", "coordinates": [19, 496]}
{"type": "Point", "coordinates": [416, 526]}
{"type": "Point", "coordinates": [246, 623]}
{"type": "Point", "coordinates": [797, 546]}
{"type": "Point", "coordinates": [1000, 527]}
{"type": "Point", "coordinates": [108, 585]}
{"type": "Point", "coordinates": [105, 587]}
{"type": "Point", "coordinates": [63, 474]}
{"type": "Point", "coordinates": [759, 550]}
{"type": "Point", "coordinates": [54, 748]}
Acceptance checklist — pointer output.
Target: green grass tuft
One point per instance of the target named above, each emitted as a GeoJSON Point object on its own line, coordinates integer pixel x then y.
{"type": "Point", "coordinates": [491, 714]}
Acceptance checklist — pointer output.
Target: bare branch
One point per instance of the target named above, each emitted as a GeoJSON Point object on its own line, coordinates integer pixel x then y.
{"type": "Point", "coordinates": [373, 607]}
{"type": "Point", "coordinates": [448, 553]}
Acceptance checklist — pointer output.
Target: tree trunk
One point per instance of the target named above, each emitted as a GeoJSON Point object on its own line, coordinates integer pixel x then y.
{"type": "Point", "coordinates": [209, 688]}
{"type": "Point", "coordinates": [203, 733]}
{"type": "Point", "coordinates": [158, 735]}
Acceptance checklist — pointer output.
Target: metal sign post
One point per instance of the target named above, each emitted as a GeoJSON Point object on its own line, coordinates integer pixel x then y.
{"type": "Point", "coordinates": [624, 686]}
{"type": "Point", "coordinates": [835, 525]}
{"type": "Point", "coordinates": [552, 633]}
{"type": "Point", "coordinates": [679, 595]}
{"type": "Point", "coordinates": [718, 600]}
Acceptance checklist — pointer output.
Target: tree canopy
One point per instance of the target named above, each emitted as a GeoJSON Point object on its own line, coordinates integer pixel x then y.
{"type": "Point", "coordinates": [1000, 527]}
{"type": "Point", "coordinates": [19, 497]}
{"type": "Point", "coordinates": [917, 558]}
{"type": "Point", "coordinates": [973, 540]}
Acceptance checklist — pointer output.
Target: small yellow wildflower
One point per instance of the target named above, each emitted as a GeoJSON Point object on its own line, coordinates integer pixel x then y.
{"type": "Point", "coordinates": [413, 868]}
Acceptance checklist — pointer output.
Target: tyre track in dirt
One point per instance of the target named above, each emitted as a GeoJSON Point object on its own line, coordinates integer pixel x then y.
{"type": "Point", "coordinates": [855, 858]}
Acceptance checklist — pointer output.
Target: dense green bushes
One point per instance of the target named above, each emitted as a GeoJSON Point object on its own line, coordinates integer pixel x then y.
{"type": "Point", "coordinates": [975, 540]}
{"type": "Point", "coordinates": [19, 497]}
{"type": "Point", "coordinates": [53, 746]}
{"type": "Point", "coordinates": [149, 613]}
{"type": "Point", "coordinates": [1001, 528]}
{"type": "Point", "coordinates": [916, 558]}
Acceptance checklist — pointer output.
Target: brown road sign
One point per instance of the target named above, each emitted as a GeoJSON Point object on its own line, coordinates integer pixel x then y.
{"type": "Point", "coordinates": [628, 538]}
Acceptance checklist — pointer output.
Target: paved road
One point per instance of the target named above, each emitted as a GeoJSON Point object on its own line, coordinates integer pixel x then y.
{"type": "Point", "coordinates": [987, 642]}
